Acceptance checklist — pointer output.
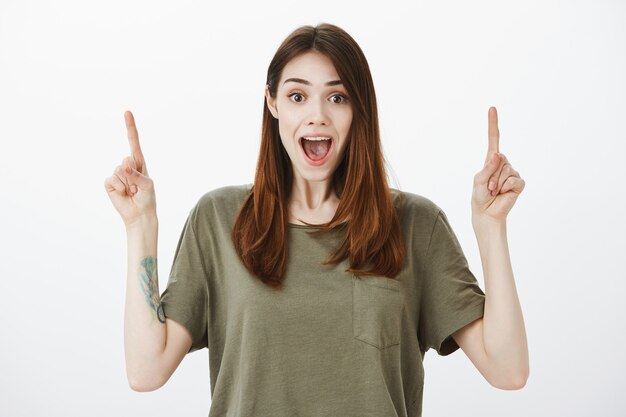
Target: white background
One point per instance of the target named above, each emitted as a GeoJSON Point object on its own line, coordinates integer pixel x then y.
{"type": "Point", "coordinates": [193, 75]}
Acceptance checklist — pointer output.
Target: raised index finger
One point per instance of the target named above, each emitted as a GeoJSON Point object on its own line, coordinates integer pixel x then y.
{"type": "Point", "coordinates": [133, 140]}
{"type": "Point", "coordinates": [494, 133]}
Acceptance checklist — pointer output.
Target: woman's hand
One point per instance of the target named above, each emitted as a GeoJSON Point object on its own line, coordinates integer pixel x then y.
{"type": "Point", "coordinates": [130, 188]}
{"type": "Point", "coordinates": [497, 185]}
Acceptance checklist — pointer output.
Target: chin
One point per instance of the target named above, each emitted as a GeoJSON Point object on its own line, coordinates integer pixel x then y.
{"type": "Point", "coordinates": [316, 174]}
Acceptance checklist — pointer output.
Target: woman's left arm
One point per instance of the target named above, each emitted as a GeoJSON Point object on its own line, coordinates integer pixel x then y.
{"type": "Point", "coordinates": [496, 343]}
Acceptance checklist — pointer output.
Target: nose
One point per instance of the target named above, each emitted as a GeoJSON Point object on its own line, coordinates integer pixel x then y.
{"type": "Point", "coordinates": [317, 113]}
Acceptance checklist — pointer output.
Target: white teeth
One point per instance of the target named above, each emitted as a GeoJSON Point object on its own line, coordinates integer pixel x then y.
{"type": "Point", "coordinates": [315, 138]}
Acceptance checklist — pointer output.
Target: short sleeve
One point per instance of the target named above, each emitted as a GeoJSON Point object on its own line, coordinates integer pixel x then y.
{"type": "Point", "coordinates": [451, 297]}
{"type": "Point", "coordinates": [185, 299]}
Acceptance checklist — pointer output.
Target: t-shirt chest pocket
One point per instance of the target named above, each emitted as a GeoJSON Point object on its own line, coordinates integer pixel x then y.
{"type": "Point", "coordinates": [376, 310]}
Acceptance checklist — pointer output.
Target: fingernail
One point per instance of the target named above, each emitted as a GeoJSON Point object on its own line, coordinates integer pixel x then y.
{"type": "Point", "coordinates": [492, 185]}
{"type": "Point", "coordinates": [128, 170]}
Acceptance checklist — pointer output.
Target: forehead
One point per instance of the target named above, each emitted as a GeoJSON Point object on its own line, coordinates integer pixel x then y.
{"type": "Point", "coordinates": [312, 66]}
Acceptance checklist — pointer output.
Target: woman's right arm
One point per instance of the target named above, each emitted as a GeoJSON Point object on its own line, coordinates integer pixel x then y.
{"type": "Point", "coordinates": [153, 346]}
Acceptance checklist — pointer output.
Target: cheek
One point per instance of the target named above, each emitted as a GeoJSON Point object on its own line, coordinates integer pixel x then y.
{"type": "Point", "coordinates": [287, 118]}
{"type": "Point", "coordinates": [287, 137]}
{"type": "Point", "coordinates": [347, 122]}
{"type": "Point", "coordinates": [285, 141]}
{"type": "Point", "coordinates": [347, 114]}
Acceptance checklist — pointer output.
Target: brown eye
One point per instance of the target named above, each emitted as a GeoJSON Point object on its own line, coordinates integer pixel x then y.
{"type": "Point", "coordinates": [296, 94]}
{"type": "Point", "coordinates": [342, 97]}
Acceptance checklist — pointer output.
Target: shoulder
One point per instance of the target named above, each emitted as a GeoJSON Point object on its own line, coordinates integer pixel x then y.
{"type": "Point", "coordinates": [226, 195]}
{"type": "Point", "coordinates": [221, 201]}
{"type": "Point", "coordinates": [415, 206]}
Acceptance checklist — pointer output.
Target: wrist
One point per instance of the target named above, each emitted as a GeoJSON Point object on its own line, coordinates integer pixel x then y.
{"type": "Point", "coordinates": [142, 222]}
{"type": "Point", "coordinates": [486, 223]}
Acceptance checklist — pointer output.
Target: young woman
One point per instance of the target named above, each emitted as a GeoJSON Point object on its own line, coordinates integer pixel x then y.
{"type": "Point", "coordinates": [318, 288]}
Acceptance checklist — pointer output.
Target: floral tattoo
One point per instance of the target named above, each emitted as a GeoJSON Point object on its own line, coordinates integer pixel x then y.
{"type": "Point", "coordinates": [150, 287]}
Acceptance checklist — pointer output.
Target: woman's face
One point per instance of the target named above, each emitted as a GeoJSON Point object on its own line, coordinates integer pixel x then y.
{"type": "Point", "coordinates": [311, 102]}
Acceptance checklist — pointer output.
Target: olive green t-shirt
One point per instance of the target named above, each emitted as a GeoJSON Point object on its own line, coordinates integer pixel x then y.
{"type": "Point", "coordinates": [330, 343]}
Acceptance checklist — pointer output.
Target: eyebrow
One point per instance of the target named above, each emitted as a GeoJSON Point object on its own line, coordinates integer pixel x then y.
{"type": "Point", "coordinates": [302, 81]}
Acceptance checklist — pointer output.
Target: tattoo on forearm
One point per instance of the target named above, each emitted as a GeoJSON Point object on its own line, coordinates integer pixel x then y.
{"type": "Point", "coordinates": [150, 286]}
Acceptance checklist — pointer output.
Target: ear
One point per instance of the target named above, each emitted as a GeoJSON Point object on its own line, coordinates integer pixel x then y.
{"type": "Point", "coordinates": [271, 102]}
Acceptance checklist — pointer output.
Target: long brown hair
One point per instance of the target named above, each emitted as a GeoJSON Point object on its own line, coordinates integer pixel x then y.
{"type": "Point", "coordinates": [372, 229]}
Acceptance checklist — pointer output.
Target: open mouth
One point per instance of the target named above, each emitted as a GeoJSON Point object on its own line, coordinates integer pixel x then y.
{"type": "Point", "coordinates": [316, 149]}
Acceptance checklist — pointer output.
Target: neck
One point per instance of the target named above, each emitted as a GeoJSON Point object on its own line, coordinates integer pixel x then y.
{"type": "Point", "coordinates": [312, 195]}
{"type": "Point", "coordinates": [312, 201]}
